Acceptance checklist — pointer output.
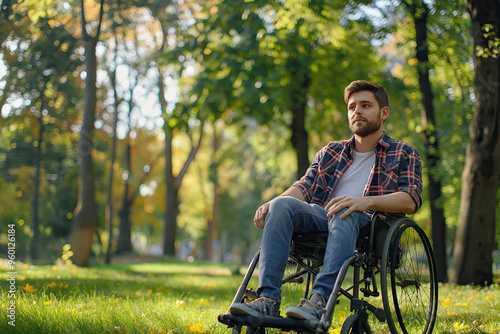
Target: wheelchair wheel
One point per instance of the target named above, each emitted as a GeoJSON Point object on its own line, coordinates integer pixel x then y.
{"type": "Point", "coordinates": [294, 287]}
{"type": "Point", "coordinates": [351, 326]}
{"type": "Point", "coordinates": [408, 279]}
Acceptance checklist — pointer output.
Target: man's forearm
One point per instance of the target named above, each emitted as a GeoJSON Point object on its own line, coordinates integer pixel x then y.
{"type": "Point", "coordinates": [294, 192]}
{"type": "Point", "coordinates": [399, 202]}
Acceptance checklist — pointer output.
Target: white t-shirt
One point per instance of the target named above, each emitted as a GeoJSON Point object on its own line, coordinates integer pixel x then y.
{"type": "Point", "coordinates": [353, 182]}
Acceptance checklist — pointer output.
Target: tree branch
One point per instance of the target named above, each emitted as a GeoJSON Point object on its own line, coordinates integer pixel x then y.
{"type": "Point", "coordinates": [101, 12]}
{"type": "Point", "coordinates": [85, 36]}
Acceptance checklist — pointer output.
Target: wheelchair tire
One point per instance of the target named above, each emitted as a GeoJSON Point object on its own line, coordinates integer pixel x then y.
{"type": "Point", "coordinates": [351, 326]}
{"type": "Point", "coordinates": [251, 330]}
{"type": "Point", "coordinates": [408, 279]}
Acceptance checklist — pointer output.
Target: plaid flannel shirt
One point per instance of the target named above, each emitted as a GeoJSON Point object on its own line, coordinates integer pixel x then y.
{"type": "Point", "coordinates": [397, 168]}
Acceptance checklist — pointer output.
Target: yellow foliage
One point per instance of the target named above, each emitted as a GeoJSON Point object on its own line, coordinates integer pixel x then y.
{"type": "Point", "coordinates": [28, 288]}
{"type": "Point", "coordinates": [196, 328]}
{"type": "Point", "coordinates": [447, 303]}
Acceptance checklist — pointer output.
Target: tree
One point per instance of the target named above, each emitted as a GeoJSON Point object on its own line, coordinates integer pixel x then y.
{"type": "Point", "coordinates": [174, 181]}
{"type": "Point", "coordinates": [472, 257]}
{"type": "Point", "coordinates": [419, 13]}
{"type": "Point", "coordinates": [109, 193]}
{"type": "Point", "coordinates": [282, 60]}
{"type": "Point", "coordinates": [6, 26]}
{"type": "Point", "coordinates": [40, 72]}
{"type": "Point", "coordinates": [181, 119]}
{"type": "Point", "coordinates": [130, 59]}
{"type": "Point", "coordinates": [86, 218]}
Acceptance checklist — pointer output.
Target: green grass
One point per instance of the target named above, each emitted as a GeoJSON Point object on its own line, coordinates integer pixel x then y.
{"type": "Point", "coordinates": [175, 297]}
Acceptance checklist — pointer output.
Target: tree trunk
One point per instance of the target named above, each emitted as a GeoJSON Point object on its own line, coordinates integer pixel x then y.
{"type": "Point", "coordinates": [173, 182]}
{"type": "Point", "coordinates": [223, 245]}
{"type": "Point", "coordinates": [214, 177]}
{"type": "Point", "coordinates": [109, 193]}
{"type": "Point", "coordinates": [5, 25]}
{"type": "Point", "coordinates": [36, 191]}
{"type": "Point", "coordinates": [173, 186]}
{"type": "Point", "coordinates": [475, 240]}
{"type": "Point", "coordinates": [8, 82]}
{"type": "Point", "coordinates": [124, 244]}
{"type": "Point", "coordinates": [86, 218]}
{"type": "Point", "coordinates": [125, 236]}
{"type": "Point", "coordinates": [6, 10]}
{"type": "Point", "coordinates": [299, 133]}
{"type": "Point", "coordinates": [170, 232]}
{"type": "Point", "coordinates": [419, 12]}
{"type": "Point", "coordinates": [172, 202]}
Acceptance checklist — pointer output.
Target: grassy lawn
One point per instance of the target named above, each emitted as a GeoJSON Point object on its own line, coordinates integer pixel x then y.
{"type": "Point", "coordinates": [177, 297]}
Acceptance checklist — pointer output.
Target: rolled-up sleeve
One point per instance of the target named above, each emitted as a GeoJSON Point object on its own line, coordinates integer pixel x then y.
{"type": "Point", "coordinates": [410, 177]}
{"type": "Point", "coordinates": [307, 183]}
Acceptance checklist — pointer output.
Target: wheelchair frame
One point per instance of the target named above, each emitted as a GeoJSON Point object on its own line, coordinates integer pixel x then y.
{"type": "Point", "coordinates": [378, 250]}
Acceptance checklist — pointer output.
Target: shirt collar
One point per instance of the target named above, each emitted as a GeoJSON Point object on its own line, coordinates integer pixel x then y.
{"type": "Point", "coordinates": [384, 141]}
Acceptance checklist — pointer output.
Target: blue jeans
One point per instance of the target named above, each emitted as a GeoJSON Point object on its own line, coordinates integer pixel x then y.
{"type": "Point", "coordinates": [287, 215]}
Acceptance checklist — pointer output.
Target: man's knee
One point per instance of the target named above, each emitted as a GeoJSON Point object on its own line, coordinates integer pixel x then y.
{"type": "Point", "coordinates": [281, 211]}
{"type": "Point", "coordinates": [352, 221]}
{"type": "Point", "coordinates": [283, 204]}
{"type": "Point", "coordinates": [335, 218]}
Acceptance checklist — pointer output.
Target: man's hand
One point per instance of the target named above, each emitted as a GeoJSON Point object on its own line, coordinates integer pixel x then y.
{"type": "Point", "coordinates": [351, 203]}
{"type": "Point", "coordinates": [260, 216]}
{"type": "Point", "coordinates": [398, 202]}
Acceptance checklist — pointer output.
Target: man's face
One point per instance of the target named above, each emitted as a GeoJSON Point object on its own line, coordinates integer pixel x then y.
{"type": "Point", "coordinates": [365, 116]}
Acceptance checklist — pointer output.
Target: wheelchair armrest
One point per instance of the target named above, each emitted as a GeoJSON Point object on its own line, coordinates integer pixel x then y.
{"type": "Point", "coordinates": [389, 216]}
{"type": "Point", "coordinates": [379, 228]}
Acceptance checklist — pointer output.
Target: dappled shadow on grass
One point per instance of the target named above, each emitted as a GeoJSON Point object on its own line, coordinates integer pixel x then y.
{"type": "Point", "coordinates": [176, 267]}
{"type": "Point", "coordinates": [65, 299]}
{"type": "Point", "coordinates": [132, 281]}
{"type": "Point", "coordinates": [90, 315]}
{"type": "Point", "coordinates": [136, 287]}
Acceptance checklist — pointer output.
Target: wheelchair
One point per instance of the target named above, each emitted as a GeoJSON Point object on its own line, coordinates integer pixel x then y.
{"type": "Point", "coordinates": [393, 262]}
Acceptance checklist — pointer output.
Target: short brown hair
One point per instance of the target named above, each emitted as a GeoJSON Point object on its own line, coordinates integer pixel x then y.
{"type": "Point", "coordinates": [362, 85]}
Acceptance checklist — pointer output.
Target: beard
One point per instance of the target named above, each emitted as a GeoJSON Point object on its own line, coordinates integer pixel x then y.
{"type": "Point", "coordinates": [366, 128]}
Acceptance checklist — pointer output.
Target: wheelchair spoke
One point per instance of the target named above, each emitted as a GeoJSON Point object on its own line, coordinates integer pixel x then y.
{"type": "Point", "coordinates": [295, 285]}
{"type": "Point", "coordinates": [410, 286]}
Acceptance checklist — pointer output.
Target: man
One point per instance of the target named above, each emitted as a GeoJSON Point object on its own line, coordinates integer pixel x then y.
{"type": "Point", "coordinates": [346, 183]}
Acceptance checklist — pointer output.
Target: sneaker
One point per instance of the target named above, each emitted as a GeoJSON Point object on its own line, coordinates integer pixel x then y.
{"type": "Point", "coordinates": [308, 309]}
{"type": "Point", "coordinates": [261, 306]}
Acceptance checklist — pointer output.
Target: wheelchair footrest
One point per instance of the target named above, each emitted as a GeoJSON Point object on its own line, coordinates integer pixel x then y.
{"type": "Point", "coordinates": [267, 321]}
{"type": "Point", "coordinates": [378, 312]}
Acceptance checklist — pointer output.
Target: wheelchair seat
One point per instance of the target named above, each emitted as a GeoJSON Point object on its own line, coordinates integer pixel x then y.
{"type": "Point", "coordinates": [311, 246]}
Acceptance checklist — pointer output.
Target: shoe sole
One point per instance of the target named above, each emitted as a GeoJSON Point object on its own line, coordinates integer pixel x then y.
{"type": "Point", "coordinates": [299, 313]}
{"type": "Point", "coordinates": [242, 309]}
